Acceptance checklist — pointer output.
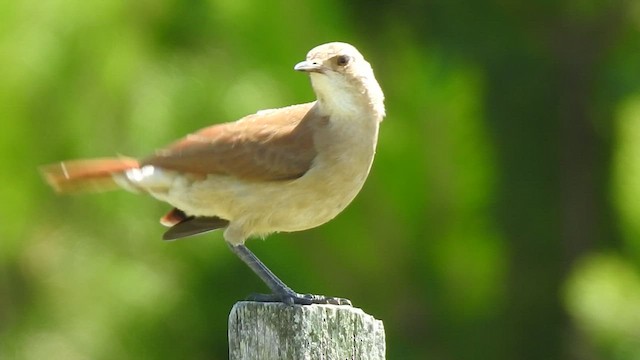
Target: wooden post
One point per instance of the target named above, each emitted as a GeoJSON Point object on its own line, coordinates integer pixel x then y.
{"type": "Point", "coordinates": [277, 331]}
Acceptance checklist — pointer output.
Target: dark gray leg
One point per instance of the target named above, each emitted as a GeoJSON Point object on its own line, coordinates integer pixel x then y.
{"type": "Point", "coordinates": [281, 292]}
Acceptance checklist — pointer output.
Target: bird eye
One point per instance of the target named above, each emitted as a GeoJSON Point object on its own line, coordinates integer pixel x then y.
{"type": "Point", "coordinates": [343, 60]}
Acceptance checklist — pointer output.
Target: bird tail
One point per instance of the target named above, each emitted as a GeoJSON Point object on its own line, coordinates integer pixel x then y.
{"type": "Point", "coordinates": [90, 175]}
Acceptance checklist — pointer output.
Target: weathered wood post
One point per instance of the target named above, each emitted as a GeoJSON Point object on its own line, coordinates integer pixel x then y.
{"type": "Point", "coordinates": [277, 331]}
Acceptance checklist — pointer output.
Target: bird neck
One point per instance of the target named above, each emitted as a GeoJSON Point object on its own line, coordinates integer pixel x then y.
{"type": "Point", "coordinates": [362, 101]}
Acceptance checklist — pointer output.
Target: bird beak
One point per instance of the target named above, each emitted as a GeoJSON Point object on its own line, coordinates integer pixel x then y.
{"type": "Point", "coordinates": [309, 66]}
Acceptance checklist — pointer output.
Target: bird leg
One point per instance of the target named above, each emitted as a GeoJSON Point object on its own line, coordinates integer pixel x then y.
{"type": "Point", "coordinates": [281, 292]}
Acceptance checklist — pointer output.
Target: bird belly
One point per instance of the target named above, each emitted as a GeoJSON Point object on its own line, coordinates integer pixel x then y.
{"type": "Point", "coordinates": [266, 207]}
{"type": "Point", "coordinates": [263, 207]}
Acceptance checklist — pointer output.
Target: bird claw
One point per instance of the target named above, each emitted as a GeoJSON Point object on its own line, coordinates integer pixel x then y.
{"type": "Point", "coordinates": [300, 299]}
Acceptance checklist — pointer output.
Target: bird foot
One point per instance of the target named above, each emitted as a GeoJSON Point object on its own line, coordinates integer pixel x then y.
{"type": "Point", "coordinates": [301, 299]}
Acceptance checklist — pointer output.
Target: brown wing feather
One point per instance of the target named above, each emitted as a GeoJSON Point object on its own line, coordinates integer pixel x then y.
{"type": "Point", "coordinates": [271, 145]}
{"type": "Point", "coordinates": [194, 226]}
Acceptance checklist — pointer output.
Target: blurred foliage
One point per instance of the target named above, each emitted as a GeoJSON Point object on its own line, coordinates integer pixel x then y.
{"type": "Point", "coordinates": [603, 295]}
{"type": "Point", "coordinates": [499, 221]}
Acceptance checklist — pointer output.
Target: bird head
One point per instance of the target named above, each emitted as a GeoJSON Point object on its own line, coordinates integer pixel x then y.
{"type": "Point", "coordinates": [342, 79]}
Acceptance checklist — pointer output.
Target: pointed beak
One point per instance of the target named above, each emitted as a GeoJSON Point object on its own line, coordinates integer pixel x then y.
{"type": "Point", "coordinates": [309, 66]}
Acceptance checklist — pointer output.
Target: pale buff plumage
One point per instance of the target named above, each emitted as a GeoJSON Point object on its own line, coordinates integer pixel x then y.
{"type": "Point", "coordinates": [285, 169]}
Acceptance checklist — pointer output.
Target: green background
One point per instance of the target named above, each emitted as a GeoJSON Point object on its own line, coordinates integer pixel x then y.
{"type": "Point", "coordinates": [501, 219]}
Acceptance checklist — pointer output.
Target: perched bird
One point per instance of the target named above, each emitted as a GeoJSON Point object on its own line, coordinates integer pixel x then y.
{"type": "Point", "coordinates": [286, 169]}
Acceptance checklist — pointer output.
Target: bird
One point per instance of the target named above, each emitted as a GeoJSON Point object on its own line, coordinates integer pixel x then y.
{"type": "Point", "coordinates": [279, 170]}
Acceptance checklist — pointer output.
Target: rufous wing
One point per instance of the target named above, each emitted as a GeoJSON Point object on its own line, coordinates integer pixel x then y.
{"type": "Point", "coordinates": [270, 145]}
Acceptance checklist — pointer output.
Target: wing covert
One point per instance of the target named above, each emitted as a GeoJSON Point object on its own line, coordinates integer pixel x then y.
{"type": "Point", "coordinates": [269, 145]}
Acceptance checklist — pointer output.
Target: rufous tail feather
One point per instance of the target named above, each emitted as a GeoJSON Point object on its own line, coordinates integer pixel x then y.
{"type": "Point", "coordinates": [89, 175]}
